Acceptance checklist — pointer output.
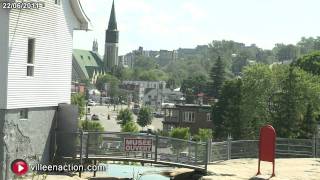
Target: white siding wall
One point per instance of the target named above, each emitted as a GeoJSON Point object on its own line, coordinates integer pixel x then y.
{"type": "Point", "coordinates": [52, 27]}
{"type": "Point", "coordinates": [3, 56]}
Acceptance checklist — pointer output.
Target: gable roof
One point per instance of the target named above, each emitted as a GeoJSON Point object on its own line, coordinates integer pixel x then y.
{"type": "Point", "coordinates": [87, 62]}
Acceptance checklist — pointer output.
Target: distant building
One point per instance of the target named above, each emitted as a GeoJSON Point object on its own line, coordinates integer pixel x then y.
{"type": "Point", "coordinates": [141, 88]}
{"type": "Point", "coordinates": [200, 50]}
{"type": "Point", "coordinates": [156, 97]}
{"type": "Point", "coordinates": [129, 59]}
{"type": "Point", "coordinates": [165, 56]}
{"type": "Point", "coordinates": [35, 76]}
{"type": "Point", "coordinates": [112, 39]}
{"type": "Point", "coordinates": [134, 91]}
{"type": "Point", "coordinates": [194, 116]}
{"type": "Point", "coordinates": [78, 88]}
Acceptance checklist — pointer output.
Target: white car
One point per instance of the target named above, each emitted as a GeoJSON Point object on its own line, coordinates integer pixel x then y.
{"type": "Point", "coordinates": [92, 103]}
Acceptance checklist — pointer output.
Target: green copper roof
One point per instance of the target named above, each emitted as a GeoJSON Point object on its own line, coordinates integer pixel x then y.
{"type": "Point", "coordinates": [87, 62]}
{"type": "Point", "coordinates": [112, 21]}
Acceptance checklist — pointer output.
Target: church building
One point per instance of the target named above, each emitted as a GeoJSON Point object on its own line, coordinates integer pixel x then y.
{"type": "Point", "coordinates": [88, 65]}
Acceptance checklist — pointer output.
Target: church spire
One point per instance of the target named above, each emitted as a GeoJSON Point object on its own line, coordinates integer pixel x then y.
{"type": "Point", "coordinates": [95, 47]}
{"type": "Point", "coordinates": [112, 20]}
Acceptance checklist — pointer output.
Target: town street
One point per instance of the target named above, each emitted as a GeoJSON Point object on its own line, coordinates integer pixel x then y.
{"type": "Point", "coordinates": [111, 125]}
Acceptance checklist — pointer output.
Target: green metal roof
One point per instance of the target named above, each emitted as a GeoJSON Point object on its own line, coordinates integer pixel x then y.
{"type": "Point", "coordinates": [88, 61]}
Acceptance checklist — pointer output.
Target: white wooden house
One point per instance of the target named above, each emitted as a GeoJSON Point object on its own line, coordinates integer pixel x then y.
{"type": "Point", "coordinates": [35, 75]}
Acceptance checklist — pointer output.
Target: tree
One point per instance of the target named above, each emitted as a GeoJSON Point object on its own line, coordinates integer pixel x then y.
{"type": "Point", "coordinates": [78, 99]}
{"type": "Point", "coordinates": [124, 116]}
{"type": "Point", "coordinates": [180, 133]}
{"type": "Point", "coordinates": [217, 75]}
{"type": "Point", "coordinates": [112, 82]}
{"type": "Point", "coordinates": [309, 124]}
{"type": "Point", "coordinates": [179, 146]}
{"type": "Point", "coordinates": [257, 88]}
{"type": "Point", "coordinates": [286, 52]}
{"type": "Point", "coordinates": [204, 135]}
{"type": "Point", "coordinates": [145, 63]}
{"type": "Point", "coordinates": [130, 126]}
{"type": "Point", "coordinates": [239, 62]}
{"type": "Point", "coordinates": [227, 111]}
{"type": "Point", "coordinates": [91, 126]}
{"type": "Point", "coordinates": [296, 103]}
{"type": "Point", "coordinates": [310, 63]}
{"type": "Point", "coordinates": [94, 139]}
{"type": "Point", "coordinates": [194, 85]}
{"type": "Point", "coordinates": [144, 117]}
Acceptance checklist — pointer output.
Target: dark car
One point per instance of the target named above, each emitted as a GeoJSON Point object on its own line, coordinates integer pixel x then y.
{"type": "Point", "coordinates": [95, 117]}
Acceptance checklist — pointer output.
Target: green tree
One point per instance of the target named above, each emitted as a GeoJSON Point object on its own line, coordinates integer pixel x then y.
{"type": "Point", "coordinates": [296, 101]}
{"type": "Point", "coordinates": [238, 63]}
{"type": "Point", "coordinates": [309, 124]}
{"type": "Point", "coordinates": [112, 82]}
{"type": "Point", "coordinates": [124, 116]}
{"type": "Point", "coordinates": [286, 52]}
{"type": "Point", "coordinates": [227, 111]}
{"type": "Point", "coordinates": [217, 75]}
{"type": "Point", "coordinates": [130, 126]}
{"type": "Point", "coordinates": [94, 139]}
{"type": "Point", "coordinates": [203, 135]}
{"type": "Point", "coordinates": [257, 88]}
{"type": "Point", "coordinates": [91, 126]}
{"type": "Point", "coordinates": [145, 63]}
{"type": "Point", "coordinates": [144, 117]}
{"type": "Point", "coordinates": [310, 63]}
{"type": "Point", "coordinates": [180, 133]}
{"type": "Point", "coordinates": [78, 99]}
{"type": "Point", "coordinates": [179, 146]}
{"type": "Point", "coordinates": [287, 114]}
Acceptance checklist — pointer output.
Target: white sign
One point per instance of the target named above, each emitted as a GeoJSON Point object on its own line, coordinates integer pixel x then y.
{"type": "Point", "coordinates": [135, 144]}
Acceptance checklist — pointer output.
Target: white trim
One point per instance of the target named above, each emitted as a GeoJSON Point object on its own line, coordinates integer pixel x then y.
{"type": "Point", "coordinates": [82, 17]}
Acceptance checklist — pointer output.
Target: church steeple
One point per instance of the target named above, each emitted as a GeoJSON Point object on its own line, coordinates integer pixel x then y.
{"type": "Point", "coordinates": [95, 47]}
{"type": "Point", "coordinates": [111, 43]}
{"type": "Point", "coordinates": [112, 20]}
{"type": "Point", "coordinates": [112, 33]}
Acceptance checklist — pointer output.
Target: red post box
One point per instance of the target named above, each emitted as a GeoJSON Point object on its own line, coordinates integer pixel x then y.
{"type": "Point", "coordinates": [267, 146]}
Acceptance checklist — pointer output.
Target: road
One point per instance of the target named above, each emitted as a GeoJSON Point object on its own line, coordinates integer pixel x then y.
{"type": "Point", "coordinates": [111, 125]}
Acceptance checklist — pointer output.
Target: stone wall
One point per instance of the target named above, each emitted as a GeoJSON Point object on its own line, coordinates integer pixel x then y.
{"type": "Point", "coordinates": [25, 139]}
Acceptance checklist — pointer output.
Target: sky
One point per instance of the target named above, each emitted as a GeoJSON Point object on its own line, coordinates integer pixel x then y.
{"type": "Point", "coordinates": [173, 24]}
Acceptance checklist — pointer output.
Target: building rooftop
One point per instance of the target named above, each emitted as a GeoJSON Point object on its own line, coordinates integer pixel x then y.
{"type": "Point", "coordinates": [88, 61]}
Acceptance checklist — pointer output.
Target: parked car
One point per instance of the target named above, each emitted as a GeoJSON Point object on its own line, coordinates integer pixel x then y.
{"type": "Point", "coordinates": [92, 103]}
{"type": "Point", "coordinates": [158, 114]}
{"type": "Point", "coordinates": [115, 145]}
{"type": "Point", "coordinates": [94, 117]}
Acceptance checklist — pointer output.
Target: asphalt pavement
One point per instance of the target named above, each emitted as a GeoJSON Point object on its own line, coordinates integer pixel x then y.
{"type": "Point", "coordinates": [111, 125]}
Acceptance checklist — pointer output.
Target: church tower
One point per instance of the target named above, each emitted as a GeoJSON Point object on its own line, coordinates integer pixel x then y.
{"type": "Point", "coordinates": [111, 44]}
{"type": "Point", "coordinates": [95, 47]}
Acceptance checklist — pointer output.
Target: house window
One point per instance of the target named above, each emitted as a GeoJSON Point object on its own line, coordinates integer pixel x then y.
{"type": "Point", "coordinates": [89, 57]}
{"type": "Point", "coordinates": [24, 114]}
{"type": "Point", "coordinates": [30, 60]}
{"type": "Point", "coordinates": [81, 57]}
{"type": "Point", "coordinates": [189, 117]}
{"type": "Point", "coordinates": [208, 116]}
{"type": "Point", "coordinates": [58, 2]}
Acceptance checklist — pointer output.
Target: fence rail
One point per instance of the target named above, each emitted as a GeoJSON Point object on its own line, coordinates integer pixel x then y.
{"type": "Point", "coordinates": [285, 148]}
{"type": "Point", "coordinates": [176, 151]}
{"type": "Point", "coordinates": [109, 144]}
